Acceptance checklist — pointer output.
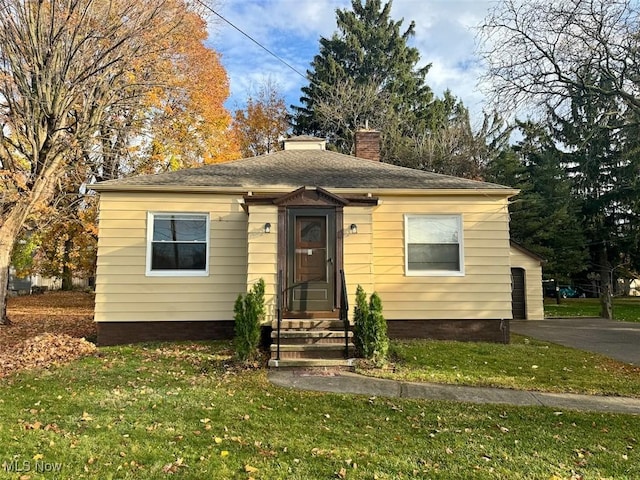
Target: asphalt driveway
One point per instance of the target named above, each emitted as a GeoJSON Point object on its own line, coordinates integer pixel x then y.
{"type": "Point", "coordinates": [617, 340]}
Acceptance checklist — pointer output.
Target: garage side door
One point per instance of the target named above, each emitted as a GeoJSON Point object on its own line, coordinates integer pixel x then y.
{"type": "Point", "coordinates": [518, 304]}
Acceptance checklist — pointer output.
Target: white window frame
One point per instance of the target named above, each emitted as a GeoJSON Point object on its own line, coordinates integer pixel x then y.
{"type": "Point", "coordinates": [176, 273]}
{"type": "Point", "coordinates": [434, 273]}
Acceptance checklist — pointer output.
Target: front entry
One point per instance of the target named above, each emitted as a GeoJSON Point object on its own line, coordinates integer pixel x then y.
{"type": "Point", "coordinates": [311, 265]}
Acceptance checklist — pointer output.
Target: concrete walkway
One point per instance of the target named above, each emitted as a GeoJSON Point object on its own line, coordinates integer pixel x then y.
{"type": "Point", "coordinates": [617, 340]}
{"type": "Point", "coordinates": [351, 383]}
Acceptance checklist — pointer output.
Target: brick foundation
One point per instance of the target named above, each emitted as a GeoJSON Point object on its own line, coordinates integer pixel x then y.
{"type": "Point", "coordinates": [496, 331]}
{"type": "Point", "coordinates": [117, 333]}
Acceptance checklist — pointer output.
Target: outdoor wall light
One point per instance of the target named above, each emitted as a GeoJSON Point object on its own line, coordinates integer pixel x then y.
{"type": "Point", "coordinates": [267, 227]}
{"type": "Point", "coordinates": [353, 228]}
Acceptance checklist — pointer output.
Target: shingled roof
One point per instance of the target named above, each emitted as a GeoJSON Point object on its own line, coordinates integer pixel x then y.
{"type": "Point", "coordinates": [295, 168]}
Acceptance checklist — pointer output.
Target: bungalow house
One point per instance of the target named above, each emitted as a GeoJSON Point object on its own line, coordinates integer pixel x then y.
{"type": "Point", "coordinates": [176, 249]}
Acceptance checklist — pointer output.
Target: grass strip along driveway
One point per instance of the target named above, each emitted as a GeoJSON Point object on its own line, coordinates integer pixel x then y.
{"type": "Point", "coordinates": [524, 364]}
{"type": "Point", "coordinates": [626, 309]}
{"type": "Point", "coordinates": [185, 411]}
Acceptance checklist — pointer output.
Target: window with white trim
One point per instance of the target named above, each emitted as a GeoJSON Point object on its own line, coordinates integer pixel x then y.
{"type": "Point", "coordinates": [433, 245]}
{"type": "Point", "coordinates": [178, 244]}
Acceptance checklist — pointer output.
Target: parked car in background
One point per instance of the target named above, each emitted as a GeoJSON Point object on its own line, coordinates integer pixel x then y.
{"type": "Point", "coordinates": [563, 291]}
{"type": "Point", "coordinates": [567, 291]}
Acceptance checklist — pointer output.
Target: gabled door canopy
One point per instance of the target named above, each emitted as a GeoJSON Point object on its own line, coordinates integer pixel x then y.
{"type": "Point", "coordinates": [310, 196]}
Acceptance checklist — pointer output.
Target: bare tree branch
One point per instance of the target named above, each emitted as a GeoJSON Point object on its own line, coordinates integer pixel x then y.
{"type": "Point", "coordinates": [538, 51]}
{"type": "Point", "coordinates": [64, 64]}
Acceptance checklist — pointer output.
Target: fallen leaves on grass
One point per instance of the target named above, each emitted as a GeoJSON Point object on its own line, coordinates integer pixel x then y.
{"type": "Point", "coordinates": [42, 351]}
{"type": "Point", "coordinates": [173, 467]}
{"type": "Point", "coordinates": [46, 329]}
{"type": "Point", "coordinates": [69, 313]}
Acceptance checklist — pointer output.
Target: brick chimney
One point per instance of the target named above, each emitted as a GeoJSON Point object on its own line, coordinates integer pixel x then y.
{"type": "Point", "coordinates": [367, 144]}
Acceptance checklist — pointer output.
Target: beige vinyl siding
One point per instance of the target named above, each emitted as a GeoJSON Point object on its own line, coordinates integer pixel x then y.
{"type": "Point", "coordinates": [483, 292]}
{"type": "Point", "coordinates": [358, 250]}
{"type": "Point", "coordinates": [532, 282]}
{"type": "Point", "coordinates": [123, 290]}
{"type": "Point", "coordinates": [262, 255]}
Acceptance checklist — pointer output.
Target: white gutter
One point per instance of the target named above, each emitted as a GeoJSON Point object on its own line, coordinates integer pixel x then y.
{"type": "Point", "coordinates": [286, 188]}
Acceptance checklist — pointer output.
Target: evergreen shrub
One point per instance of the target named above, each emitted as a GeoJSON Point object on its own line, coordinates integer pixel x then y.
{"type": "Point", "coordinates": [370, 327]}
{"type": "Point", "coordinates": [248, 313]}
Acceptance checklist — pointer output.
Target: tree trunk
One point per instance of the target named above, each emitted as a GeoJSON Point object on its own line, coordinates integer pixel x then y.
{"type": "Point", "coordinates": [67, 274]}
{"type": "Point", "coordinates": [11, 225]}
{"type": "Point", "coordinates": [8, 233]}
{"type": "Point", "coordinates": [4, 281]}
{"type": "Point", "coordinates": [606, 301]}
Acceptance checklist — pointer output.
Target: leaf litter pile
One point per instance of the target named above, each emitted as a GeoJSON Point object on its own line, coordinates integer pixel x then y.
{"type": "Point", "coordinates": [46, 329]}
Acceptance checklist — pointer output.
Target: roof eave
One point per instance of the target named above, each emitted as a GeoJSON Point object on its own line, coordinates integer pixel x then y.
{"type": "Point", "coordinates": [166, 188]}
{"type": "Point", "coordinates": [502, 192]}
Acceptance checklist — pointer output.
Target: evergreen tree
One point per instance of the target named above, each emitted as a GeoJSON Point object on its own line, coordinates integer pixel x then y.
{"type": "Point", "coordinates": [366, 74]}
{"type": "Point", "coordinates": [380, 340]}
{"type": "Point", "coordinates": [600, 134]}
{"type": "Point", "coordinates": [369, 51]}
{"type": "Point", "coordinates": [370, 327]}
{"type": "Point", "coordinates": [249, 311]}
{"type": "Point", "coordinates": [361, 333]}
{"type": "Point", "coordinates": [544, 215]}
{"type": "Point", "coordinates": [579, 60]}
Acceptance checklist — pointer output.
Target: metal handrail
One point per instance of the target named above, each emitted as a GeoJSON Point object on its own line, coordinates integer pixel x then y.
{"type": "Point", "coordinates": [344, 311]}
{"type": "Point", "coordinates": [279, 300]}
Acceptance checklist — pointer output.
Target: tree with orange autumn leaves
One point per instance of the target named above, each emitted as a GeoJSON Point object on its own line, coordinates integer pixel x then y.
{"type": "Point", "coordinates": [180, 122]}
{"type": "Point", "coordinates": [185, 123]}
{"type": "Point", "coordinates": [100, 88]}
{"type": "Point", "coordinates": [261, 126]}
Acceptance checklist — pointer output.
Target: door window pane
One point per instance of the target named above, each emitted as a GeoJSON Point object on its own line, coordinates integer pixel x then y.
{"type": "Point", "coordinates": [311, 249]}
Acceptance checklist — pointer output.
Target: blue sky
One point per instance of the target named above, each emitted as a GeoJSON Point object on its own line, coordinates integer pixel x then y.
{"type": "Point", "coordinates": [292, 29]}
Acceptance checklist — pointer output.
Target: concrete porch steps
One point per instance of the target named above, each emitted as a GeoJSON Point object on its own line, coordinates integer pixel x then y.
{"type": "Point", "coordinates": [311, 337]}
{"type": "Point", "coordinates": [311, 342]}
{"type": "Point", "coordinates": [311, 363]}
{"type": "Point", "coordinates": [309, 325]}
{"type": "Point", "coordinates": [310, 351]}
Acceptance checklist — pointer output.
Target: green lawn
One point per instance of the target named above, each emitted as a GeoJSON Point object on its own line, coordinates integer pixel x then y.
{"type": "Point", "coordinates": [525, 364]}
{"type": "Point", "coordinates": [624, 308]}
{"type": "Point", "coordinates": [181, 411]}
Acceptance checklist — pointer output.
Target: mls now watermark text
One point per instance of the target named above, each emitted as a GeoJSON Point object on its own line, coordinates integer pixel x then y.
{"type": "Point", "coordinates": [37, 466]}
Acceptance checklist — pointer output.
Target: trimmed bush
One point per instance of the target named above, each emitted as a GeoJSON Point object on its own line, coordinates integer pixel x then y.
{"type": "Point", "coordinates": [361, 334]}
{"type": "Point", "coordinates": [380, 339]}
{"type": "Point", "coordinates": [248, 313]}
{"type": "Point", "coordinates": [370, 327]}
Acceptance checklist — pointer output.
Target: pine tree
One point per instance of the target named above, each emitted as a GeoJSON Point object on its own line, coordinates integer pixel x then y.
{"type": "Point", "coordinates": [600, 135]}
{"type": "Point", "coordinates": [545, 218]}
{"type": "Point", "coordinates": [369, 51]}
